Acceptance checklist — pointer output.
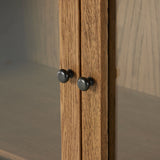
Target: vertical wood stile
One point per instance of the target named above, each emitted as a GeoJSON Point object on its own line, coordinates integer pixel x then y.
{"type": "Point", "coordinates": [94, 63]}
{"type": "Point", "coordinates": [70, 95]}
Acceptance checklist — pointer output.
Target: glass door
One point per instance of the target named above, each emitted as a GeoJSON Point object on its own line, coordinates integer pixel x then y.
{"type": "Point", "coordinates": [29, 90]}
{"type": "Point", "coordinates": [138, 80]}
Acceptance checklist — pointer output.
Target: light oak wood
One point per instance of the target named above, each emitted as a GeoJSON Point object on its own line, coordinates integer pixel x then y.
{"type": "Point", "coordinates": [69, 92]}
{"type": "Point", "coordinates": [138, 51]}
{"type": "Point", "coordinates": [94, 63]}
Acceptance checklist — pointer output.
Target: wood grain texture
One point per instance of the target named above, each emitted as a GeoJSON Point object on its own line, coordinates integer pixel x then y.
{"type": "Point", "coordinates": [138, 49]}
{"type": "Point", "coordinates": [94, 63]}
{"type": "Point", "coordinates": [41, 28]}
{"type": "Point", "coordinates": [112, 79]}
{"type": "Point", "coordinates": [70, 94]}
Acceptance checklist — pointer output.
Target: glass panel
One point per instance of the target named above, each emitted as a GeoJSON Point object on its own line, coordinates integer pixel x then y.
{"type": "Point", "coordinates": [29, 91]}
{"type": "Point", "coordinates": [138, 81]}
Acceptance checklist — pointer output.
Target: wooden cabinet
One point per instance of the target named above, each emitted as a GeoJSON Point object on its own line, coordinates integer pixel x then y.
{"type": "Point", "coordinates": [115, 44]}
{"type": "Point", "coordinates": [33, 106]}
{"type": "Point", "coordinates": [83, 48]}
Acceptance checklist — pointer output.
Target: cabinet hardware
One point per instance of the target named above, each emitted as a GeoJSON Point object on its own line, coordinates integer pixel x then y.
{"type": "Point", "coordinates": [63, 75]}
{"type": "Point", "coordinates": [84, 83]}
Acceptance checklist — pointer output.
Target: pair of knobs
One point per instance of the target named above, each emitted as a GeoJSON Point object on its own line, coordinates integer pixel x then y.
{"type": "Point", "coordinates": [83, 83]}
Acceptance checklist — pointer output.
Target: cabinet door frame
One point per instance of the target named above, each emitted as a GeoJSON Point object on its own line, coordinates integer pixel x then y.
{"type": "Point", "coordinates": [94, 63]}
{"type": "Point", "coordinates": [87, 46]}
{"type": "Point", "coordinates": [69, 28]}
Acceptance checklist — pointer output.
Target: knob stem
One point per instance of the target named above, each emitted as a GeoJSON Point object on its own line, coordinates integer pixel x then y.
{"type": "Point", "coordinates": [91, 81]}
{"type": "Point", "coordinates": [70, 73]}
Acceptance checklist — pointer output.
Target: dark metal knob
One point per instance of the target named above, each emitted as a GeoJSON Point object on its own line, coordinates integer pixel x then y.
{"type": "Point", "coordinates": [63, 75]}
{"type": "Point", "coordinates": [85, 83]}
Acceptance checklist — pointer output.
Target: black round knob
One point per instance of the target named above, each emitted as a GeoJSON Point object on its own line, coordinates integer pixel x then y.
{"type": "Point", "coordinates": [85, 83]}
{"type": "Point", "coordinates": [63, 75]}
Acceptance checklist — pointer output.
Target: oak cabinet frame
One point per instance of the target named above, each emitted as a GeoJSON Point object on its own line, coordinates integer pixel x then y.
{"type": "Point", "coordinates": [87, 46]}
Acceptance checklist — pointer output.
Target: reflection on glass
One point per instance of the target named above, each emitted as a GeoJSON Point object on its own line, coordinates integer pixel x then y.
{"type": "Point", "coordinates": [138, 83]}
{"type": "Point", "coordinates": [29, 91]}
